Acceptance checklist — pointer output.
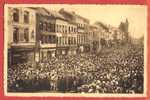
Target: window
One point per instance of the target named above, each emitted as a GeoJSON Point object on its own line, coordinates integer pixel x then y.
{"type": "Point", "coordinates": [32, 34]}
{"type": "Point", "coordinates": [62, 28]}
{"type": "Point", "coordinates": [57, 28]}
{"type": "Point", "coordinates": [43, 39]}
{"type": "Point", "coordinates": [54, 39]}
{"type": "Point", "coordinates": [49, 27]}
{"type": "Point", "coordinates": [60, 40]}
{"type": "Point", "coordinates": [74, 30]}
{"type": "Point", "coordinates": [16, 15]}
{"type": "Point", "coordinates": [41, 26]}
{"type": "Point", "coordinates": [52, 27]}
{"type": "Point", "coordinates": [57, 40]}
{"type": "Point", "coordinates": [71, 29]}
{"type": "Point", "coordinates": [16, 35]}
{"type": "Point", "coordinates": [69, 41]}
{"type": "Point", "coordinates": [47, 39]}
{"type": "Point", "coordinates": [26, 17]}
{"type": "Point", "coordinates": [45, 26]}
{"type": "Point", "coordinates": [74, 40]}
{"type": "Point", "coordinates": [26, 35]}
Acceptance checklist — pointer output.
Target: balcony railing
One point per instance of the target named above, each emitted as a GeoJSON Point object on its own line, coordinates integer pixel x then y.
{"type": "Point", "coordinates": [22, 43]}
{"type": "Point", "coordinates": [47, 45]}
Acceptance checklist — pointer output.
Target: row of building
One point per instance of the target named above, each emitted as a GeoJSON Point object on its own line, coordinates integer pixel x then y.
{"type": "Point", "coordinates": [36, 33]}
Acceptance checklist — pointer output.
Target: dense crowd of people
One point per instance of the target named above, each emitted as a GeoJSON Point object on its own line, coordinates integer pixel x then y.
{"type": "Point", "coordinates": [115, 70]}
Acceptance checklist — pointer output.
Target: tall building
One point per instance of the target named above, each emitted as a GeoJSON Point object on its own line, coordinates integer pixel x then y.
{"type": "Point", "coordinates": [66, 34]}
{"type": "Point", "coordinates": [82, 27]}
{"type": "Point", "coordinates": [21, 34]}
{"type": "Point", "coordinates": [46, 38]}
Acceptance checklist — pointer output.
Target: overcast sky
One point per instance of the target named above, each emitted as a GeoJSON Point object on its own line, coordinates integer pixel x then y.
{"type": "Point", "coordinates": [112, 14]}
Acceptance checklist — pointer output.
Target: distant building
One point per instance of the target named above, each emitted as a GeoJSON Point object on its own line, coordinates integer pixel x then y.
{"type": "Point", "coordinates": [93, 38]}
{"type": "Point", "coordinates": [124, 27]}
{"type": "Point", "coordinates": [109, 35]}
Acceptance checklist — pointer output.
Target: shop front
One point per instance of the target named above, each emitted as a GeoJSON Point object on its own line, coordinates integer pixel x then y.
{"type": "Point", "coordinates": [47, 53]}
{"type": "Point", "coordinates": [61, 51]}
{"type": "Point", "coordinates": [21, 55]}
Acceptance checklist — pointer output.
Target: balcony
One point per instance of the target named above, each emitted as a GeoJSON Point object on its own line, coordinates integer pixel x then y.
{"type": "Point", "coordinates": [23, 45]}
{"type": "Point", "coordinates": [48, 45]}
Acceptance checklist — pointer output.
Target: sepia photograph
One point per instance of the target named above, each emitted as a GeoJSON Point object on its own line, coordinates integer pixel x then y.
{"type": "Point", "coordinates": [75, 50]}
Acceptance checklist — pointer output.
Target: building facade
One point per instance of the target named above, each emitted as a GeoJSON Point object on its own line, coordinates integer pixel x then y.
{"type": "Point", "coordinates": [82, 25]}
{"type": "Point", "coordinates": [46, 37]}
{"type": "Point", "coordinates": [21, 34]}
{"type": "Point", "coordinates": [36, 34]}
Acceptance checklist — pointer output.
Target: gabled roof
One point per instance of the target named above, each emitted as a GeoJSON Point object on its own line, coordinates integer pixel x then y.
{"type": "Point", "coordinates": [55, 14]}
{"type": "Point", "coordinates": [83, 18]}
{"type": "Point", "coordinates": [66, 12]}
{"type": "Point", "coordinates": [104, 26]}
{"type": "Point", "coordinates": [40, 10]}
{"type": "Point", "coordinates": [48, 12]}
{"type": "Point", "coordinates": [73, 14]}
